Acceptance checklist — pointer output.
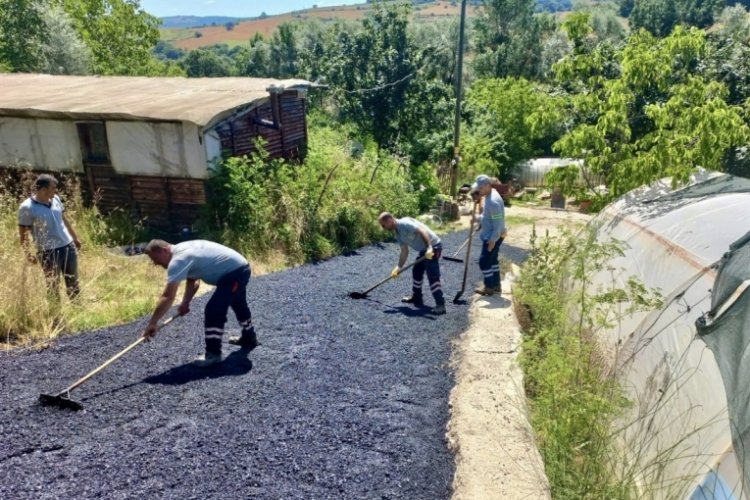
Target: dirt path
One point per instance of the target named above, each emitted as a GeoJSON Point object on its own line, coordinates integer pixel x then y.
{"type": "Point", "coordinates": [489, 431]}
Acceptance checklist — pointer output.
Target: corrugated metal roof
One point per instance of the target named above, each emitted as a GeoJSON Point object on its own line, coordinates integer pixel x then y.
{"type": "Point", "coordinates": [197, 100]}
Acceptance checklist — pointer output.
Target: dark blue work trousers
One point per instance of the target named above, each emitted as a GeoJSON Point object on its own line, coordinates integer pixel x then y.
{"type": "Point", "coordinates": [490, 265]}
{"type": "Point", "coordinates": [231, 291]}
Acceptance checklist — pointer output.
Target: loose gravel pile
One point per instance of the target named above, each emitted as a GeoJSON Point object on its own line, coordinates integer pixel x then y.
{"type": "Point", "coordinates": [344, 398]}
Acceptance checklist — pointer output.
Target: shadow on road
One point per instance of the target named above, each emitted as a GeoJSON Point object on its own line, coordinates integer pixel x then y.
{"type": "Point", "coordinates": [494, 302]}
{"type": "Point", "coordinates": [234, 365]}
{"type": "Point", "coordinates": [422, 312]}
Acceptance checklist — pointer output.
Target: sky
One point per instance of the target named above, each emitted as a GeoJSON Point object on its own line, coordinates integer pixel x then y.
{"type": "Point", "coordinates": [232, 8]}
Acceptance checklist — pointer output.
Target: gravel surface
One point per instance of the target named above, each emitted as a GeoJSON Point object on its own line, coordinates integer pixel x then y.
{"type": "Point", "coordinates": [344, 398]}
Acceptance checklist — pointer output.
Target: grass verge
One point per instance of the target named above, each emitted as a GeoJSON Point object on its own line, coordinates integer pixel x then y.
{"type": "Point", "coordinates": [573, 396]}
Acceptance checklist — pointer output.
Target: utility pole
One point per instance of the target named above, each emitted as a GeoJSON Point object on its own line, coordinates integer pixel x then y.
{"type": "Point", "coordinates": [457, 122]}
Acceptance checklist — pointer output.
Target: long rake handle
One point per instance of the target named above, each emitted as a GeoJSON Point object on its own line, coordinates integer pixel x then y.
{"type": "Point", "coordinates": [111, 360]}
{"type": "Point", "coordinates": [455, 254]}
{"type": "Point", "coordinates": [391, 277]}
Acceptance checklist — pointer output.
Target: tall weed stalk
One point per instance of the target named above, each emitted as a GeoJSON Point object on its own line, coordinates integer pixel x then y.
{"type": "Point", "coordinates": [574, 397]}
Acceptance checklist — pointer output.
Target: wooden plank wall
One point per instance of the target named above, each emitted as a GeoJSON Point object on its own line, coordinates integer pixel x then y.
{"type": "Point", "coordinates": [289, 141]}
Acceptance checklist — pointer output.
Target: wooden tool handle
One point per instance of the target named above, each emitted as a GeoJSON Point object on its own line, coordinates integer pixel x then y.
{"type": "Point", "coordinates": [112, 359]}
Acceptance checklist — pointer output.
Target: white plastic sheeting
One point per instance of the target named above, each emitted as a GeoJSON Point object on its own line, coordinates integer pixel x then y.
{"type": "Point", "coordinates": [677, 434]}
{"type": "Point", "coordinates": [156, 148]}
{"type": "Point", "coordinates": [39, 143]}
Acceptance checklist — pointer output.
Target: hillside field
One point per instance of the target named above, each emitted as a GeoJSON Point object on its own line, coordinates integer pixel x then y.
{"type": "Point", "coordinates": [185, 38]}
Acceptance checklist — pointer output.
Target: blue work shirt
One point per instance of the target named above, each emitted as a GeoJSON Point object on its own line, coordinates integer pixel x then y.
{"type": "Point", "coordinates": [406, 234]}
{"type": "Point", "coordinates": [202, 260]}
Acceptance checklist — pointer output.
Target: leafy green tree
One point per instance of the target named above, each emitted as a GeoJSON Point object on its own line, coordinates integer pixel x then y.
{"type": "Point", "coordinates": [283, 52]}
{"type": "Point", "coordinates": [658, 17]}
{"type": "Point", "coordinates": [25, 35]}
{"type": "Point", "coordinates": [438, 44]}
{"type": "Point", "coordinates": [508, 39]}
{"type": "Point", "coordinates": [604, 20]}
{"type": "Point", "coordinates": [501, 132]}
{"type": "Point", "coordinates": [658, 117]}
{"type": "Point", "coordinates": [370, 71]}
{"type": "Point", "coordinates": [254, 60]}
{"type": "Point", "coordinates": [119, 34]}
{"type": "Point", "coordinates": [734, 23]}
{"type": "Point", "coordinates": [206, 63]}
{"type": "Point", "coordinates": [65, 52]}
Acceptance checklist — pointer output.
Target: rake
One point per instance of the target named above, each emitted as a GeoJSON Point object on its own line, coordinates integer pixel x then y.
{"type": "Point", "coordinates": [453, 257]}
{"type": "Point", "coordinates": [363, 295]}
{"type": "Point", "coordinates": [62, 398]}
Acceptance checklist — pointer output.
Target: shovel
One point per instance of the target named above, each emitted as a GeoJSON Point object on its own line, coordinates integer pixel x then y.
{"type": "Point", "coordinates": [363, 295]}
{"type": "Point", "coordinates": [62, 399]}
{"type": "Point", "coordinates": [468, 254]}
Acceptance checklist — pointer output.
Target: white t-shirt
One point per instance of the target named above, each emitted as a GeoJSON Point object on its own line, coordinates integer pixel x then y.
{"type": "Point", "coordinates": [46, 223]}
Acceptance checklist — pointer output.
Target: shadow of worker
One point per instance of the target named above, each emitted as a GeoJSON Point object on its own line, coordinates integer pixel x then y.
{"type": "Point", "coordinates": [236, 364]}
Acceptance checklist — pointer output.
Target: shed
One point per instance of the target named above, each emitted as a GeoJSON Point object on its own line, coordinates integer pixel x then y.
{"type": "Point", "coordinates": [679, 433]}
{"type": "Point", "coordinates": [146, 144]}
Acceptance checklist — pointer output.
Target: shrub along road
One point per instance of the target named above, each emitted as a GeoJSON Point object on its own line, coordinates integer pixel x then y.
{"type": "Point", "coordinates": [344, 398]}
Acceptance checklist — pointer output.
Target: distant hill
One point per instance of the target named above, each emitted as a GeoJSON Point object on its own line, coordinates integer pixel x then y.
{"type": "Point", "coordinates": [196, 21]}
{"type": "Point", "coordinates": [191, 32]}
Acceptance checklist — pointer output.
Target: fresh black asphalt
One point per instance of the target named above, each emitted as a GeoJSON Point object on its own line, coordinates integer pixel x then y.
{"type": "Point", "coordinates": [344, 398]}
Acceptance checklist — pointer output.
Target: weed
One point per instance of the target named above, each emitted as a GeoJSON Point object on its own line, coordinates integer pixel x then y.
{"type": "Point", "coordinates": [574, 398]}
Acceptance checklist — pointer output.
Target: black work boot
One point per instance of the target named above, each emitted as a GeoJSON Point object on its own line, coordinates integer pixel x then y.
{"type": "Point", "coordinates": [438, 309]}
{"type": "Point", "coordinates": [416, 300]}
{"type": "Point", "coordinates": [247, 341]}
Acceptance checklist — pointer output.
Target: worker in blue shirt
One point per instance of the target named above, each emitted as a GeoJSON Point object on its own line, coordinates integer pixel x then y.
{"type": "Point", "coordinates": [492, 231]}
{"type": "Point", "coordinates": [201, 260]}
{"type": "Point", "coordinates": [410, 233]}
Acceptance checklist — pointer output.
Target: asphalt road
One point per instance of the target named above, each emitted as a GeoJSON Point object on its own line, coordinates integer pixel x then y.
{"type": "Point", "coordinates": [344, 398]}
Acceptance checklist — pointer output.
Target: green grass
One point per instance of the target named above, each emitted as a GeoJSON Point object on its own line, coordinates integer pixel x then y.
{"type": "Point", "coordinates": [114, 289]}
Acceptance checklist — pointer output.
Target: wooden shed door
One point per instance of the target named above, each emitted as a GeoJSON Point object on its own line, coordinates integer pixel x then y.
{"type": "Point", "coordinates": [108, 189]}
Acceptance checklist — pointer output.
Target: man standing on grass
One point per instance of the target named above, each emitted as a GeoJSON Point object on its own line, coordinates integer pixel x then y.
{"type": "Point", "coordinates": [492, 232]}
{"type": "Point", "coordinates": [57, 245]}
{"type": "Point", "coordinates": [217, 265]}
{"type": "Point", "coordinates": [412, 233]}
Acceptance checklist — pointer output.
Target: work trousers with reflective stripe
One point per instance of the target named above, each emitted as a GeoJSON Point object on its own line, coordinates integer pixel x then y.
{"type": "Point", "coordinates": [490, 265]}
{"type": "Point", "coordinates": [60, 261]}
{"type": "Point", "coordinates": [432, 267]}
{"type": "Point", "coordinates": [231, 291]}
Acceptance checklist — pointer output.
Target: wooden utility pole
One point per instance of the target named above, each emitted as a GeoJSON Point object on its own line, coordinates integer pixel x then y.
{"type": "Point", "coordinates": [457, 122]}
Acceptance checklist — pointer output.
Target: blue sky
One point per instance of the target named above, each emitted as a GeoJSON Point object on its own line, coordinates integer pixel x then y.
{"type": "Point", "coordinates": [232, 8]}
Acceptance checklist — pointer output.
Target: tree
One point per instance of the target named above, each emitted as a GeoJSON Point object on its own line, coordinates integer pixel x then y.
{"type": "Point", "coordinates": [206, 63]}
{"type": "Point", "coordinates": [66, 53]}
{"type": "Point", "coordinates": [283, 52]}
{"type": "Point", "coordinates": [508, 39]}
{"type": "Point", "coordinates": [254, 60]}
{"type": "Point", "coordinates": [657, 117]}
{"type": "Point", "coordinates": [25, 35]}
{"type": "Point", "coordinates": [501, 132]}
{"type": "Point", "coordinates": [658, 17]}
{"type": "Point", "coordinates": [119, 34]}
{"type": "Point", "coordinates": [370, 71]}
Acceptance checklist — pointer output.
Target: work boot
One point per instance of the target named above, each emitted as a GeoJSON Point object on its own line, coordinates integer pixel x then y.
{"type": "Point", "coordinates": [484, 290]}
{"type": "Point", "coordinates": [208, 359]}
{"type": "Point", "coordinates": [413, 299]}
{"type": "Point", "coordinates": [438, 309]}
{"type": "Point", "coordinates": [247, 341]}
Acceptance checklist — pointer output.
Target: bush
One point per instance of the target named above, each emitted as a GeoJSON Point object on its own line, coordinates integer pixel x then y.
{"type": "Point", "coordinates": [327, 205]}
